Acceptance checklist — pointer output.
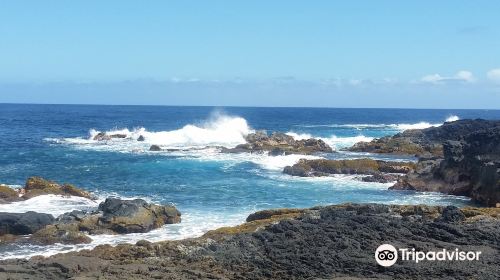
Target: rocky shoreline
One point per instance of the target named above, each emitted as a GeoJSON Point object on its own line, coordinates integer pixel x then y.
{"type": "Point", "coordinates": [458, 158]}
{"type": "Point", "coordinates": [331, 242]}
{"type": "Point", "coordinates": [113, 216]}
{"type": "Point", "coordinates": [327, 242]}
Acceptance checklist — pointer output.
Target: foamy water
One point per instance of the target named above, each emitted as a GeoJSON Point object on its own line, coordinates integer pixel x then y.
{"type": "Point", "coordinates": [210, 188]}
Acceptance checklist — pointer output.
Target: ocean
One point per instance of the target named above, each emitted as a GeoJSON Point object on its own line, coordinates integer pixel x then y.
{"type": "Point", "coordinates": [211, 189]}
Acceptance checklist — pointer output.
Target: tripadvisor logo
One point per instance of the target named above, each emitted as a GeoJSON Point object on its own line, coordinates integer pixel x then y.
{"type": "Point", "coordinates": [387, 255]}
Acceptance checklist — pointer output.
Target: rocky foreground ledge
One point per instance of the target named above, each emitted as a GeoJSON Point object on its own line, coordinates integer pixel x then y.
{"type": "Point", "coordinates": [332, 242]}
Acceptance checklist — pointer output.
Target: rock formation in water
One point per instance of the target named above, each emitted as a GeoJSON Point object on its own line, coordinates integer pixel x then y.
{"type": "Point", "coordinates": [424, 142]}
{"type": "Point", "coordinates": [279, 144]}
{"type": "Point", "coordinates": [36, 186]}
{"type": "Point", "coordinates": [113, 216]}
{"type": "Point", "coordinates": [470, 167]}
{"type": "Point", "coordinates": [377, 170]}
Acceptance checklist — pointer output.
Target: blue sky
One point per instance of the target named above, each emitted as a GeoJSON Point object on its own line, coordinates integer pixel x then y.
{"type": "Point", "coordinates": [423, 54]}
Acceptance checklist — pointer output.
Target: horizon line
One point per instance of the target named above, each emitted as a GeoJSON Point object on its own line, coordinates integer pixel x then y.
{"type": "Point", "coordinates": [242, 106]}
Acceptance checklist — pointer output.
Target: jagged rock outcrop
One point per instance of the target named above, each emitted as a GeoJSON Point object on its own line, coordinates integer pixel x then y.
{"type": "Point", "coordinates": [8, 194]}
{"type": "Point", "coordinates": [36, 186]}
{"type": "Point", "coordinates": [424, 142]}
{"type": "Point", "coordinates": [470, 167]}
{"type": "Point", "coordinates": [366, 166]}
{"type": "Point", "coordinates": [114, 216]}
{"type": "Point", "coordinates": [331, 242]}
{"type": "Point", "coordinates": [279, 144]}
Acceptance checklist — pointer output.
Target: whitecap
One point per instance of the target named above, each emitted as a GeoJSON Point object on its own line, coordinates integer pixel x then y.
{"type": "Point", "coordinates": [50, 204]}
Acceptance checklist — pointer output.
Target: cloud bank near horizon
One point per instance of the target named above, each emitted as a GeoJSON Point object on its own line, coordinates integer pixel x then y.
{"type": "Point", "coordinates": [461, 90]}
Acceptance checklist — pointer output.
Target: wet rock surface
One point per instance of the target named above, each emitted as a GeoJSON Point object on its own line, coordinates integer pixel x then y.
{"type": "Point", "coordinates": [470, 167]}
{"type": "Point", "coordinates": [366, 166]}
{"type": "Point", "coordinates": [23, 223]}
{"type": "Point", "coordinates": [129, 216]}
{"type": "Point", "coordinates": [330, 242]}
{"type": "Point", "coordinates": [279, 144]}
{"type": "Point", "coordinates": [114, 216]}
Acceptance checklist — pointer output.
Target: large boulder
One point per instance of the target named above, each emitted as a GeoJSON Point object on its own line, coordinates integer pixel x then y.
{"type": "Point", "coordinates": [23, 223]}
{"type": "Point", "coordinates": [155, 148]}
{"type": "Point", "coordinates": [128, 216]}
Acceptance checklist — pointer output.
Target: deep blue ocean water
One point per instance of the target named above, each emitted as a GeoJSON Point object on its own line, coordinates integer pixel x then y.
{"type": "Point", "coordinates": [209, 188]}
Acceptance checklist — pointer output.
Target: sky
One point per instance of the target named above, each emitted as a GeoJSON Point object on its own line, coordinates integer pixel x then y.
{"type": "Point", "coordinates": [418, 54]}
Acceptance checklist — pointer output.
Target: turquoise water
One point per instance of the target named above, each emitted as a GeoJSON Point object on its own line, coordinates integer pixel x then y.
{"type": "Point", "coordinates": [209, 188]}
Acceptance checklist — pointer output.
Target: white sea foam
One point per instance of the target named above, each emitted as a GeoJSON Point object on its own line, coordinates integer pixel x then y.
{"type": "Point", "coordinates": [219, 130]}
{"type": "Point", "coordinates": [336, 142]}
{"type": "Point", "coordinates": [264, 161]}
{"type": "Point", "coordinates": [452, 118]}
{"type": "Point", "coordinates": [50, 204]}
{"type": "Point", "coordinates": [398, 127]}
{"type": "Point", "coordinates": [193, 225]}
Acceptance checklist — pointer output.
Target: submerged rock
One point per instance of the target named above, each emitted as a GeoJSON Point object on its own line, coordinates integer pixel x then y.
{"type": "Point", "coordinates": [102, 136]}
{"type": "Point", "coordinates": [380, 178]}
{"type": "Point", "coordinates": [141, 138]}
{"type": "Point", "coordinates": [23, 223]}
{"type": "Point", "coordinates": [325, 167]}
{"type": "Point", "coordinates": [279, 144]}
{"type": "Point", "coordinates": [155, 148]}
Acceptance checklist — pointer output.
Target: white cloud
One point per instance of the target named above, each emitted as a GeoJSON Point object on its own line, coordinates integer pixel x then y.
{"type": "Point", "coordinates": [494, 75]}
{"type": "Point", "coordinates": [460, 76]}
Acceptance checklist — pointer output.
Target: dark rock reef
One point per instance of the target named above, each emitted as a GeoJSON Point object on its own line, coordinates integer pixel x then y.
{"type": "Point", "coordinates": [333, 242]}
{"type": "Point", "coordinates": [114, 216]}
{"type": "Point", "coordinates": [279, 144]}
{"type": "Point", "coordinates": [470, 167]}
{"type": "Point", "coordinates": [102, 136]}
{"type": "Point", "coordinates": [424, 142]}
{"type": "Point", "coordinates": [365, 166]}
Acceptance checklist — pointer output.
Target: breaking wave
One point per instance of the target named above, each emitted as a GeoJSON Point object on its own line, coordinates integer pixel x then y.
{"type": "Point", "coordinates": [333, 141]}
{"type": "Point", "coordinates": [395, 127]}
